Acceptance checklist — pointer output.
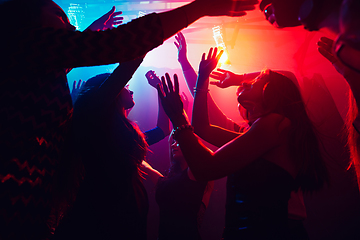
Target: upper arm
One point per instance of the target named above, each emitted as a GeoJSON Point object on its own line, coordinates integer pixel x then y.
{"type": "Point", "coordinates": [218, 136]}
{"type": "Point", "coordinates": [61, 48]}
{"type": "Point", "coordinates": [262, 137]}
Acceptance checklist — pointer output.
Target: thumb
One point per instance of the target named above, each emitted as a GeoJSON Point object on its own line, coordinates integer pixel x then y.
{"type": "Point", "coordinates": [110, 12]}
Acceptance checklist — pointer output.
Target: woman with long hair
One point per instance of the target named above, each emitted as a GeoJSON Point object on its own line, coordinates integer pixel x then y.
{"type": "Point", "coordinates": [278, 154]}
{"type": "Point", "coordinates": [112, 201]}
{"type": "Point", "coordinates": [36, 106]}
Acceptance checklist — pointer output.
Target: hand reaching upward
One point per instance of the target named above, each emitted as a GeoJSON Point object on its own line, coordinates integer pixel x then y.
{"type": "Point", "coordinates": [152, 78]}
{"type": "Point", "coordinates": [206, 66]}
{"type": "Point", "coordinates": [109, 20]}
{"type": "Point", "coordinates": [181, 46]}
{"type": "Point", "coordinates": [171, 99]}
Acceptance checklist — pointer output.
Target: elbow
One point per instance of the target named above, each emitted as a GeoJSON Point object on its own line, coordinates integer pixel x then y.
{"type": "Point", "coordinates": [201, 131]}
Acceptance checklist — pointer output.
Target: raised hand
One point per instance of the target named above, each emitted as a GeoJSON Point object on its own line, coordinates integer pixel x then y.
{"type": "Point", "coordinates": [153, 80]}
{"type": "Point", "coordinates": [109, 20]}
{"type": "Point", "coordinates": [227, 7]}
{"type": "Point", "coordinates": [207, 65]}
{"type": "Point", "coordinates": [225, 78]}
{"type": "Point", "coordinates": [170, 98]}
{"type": "Point", "coordinates": [76, 89]}
{"type": "Point", "coordinates": [325, 48]}
{"type": "Point", "coordinates": [181, 46]}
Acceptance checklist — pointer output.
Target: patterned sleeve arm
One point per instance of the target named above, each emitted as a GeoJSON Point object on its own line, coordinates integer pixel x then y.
{"type": "Point", "coordinates": [59, 49]}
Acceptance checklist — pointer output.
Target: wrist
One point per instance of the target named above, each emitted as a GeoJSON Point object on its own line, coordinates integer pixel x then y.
{"type": "Point", "coordinates": [185, 64]}
{"type": "Point", "coordinates": [182, 128]}
{"type": "Point", "coordinates": [202, 83]}
{"type": "Point", "coordinates": [179, 121]}
{"type": "Point", "coordinates": [201, 90]}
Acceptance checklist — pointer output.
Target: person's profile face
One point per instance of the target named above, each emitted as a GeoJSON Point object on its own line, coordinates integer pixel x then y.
{"type": "Point", "coordinates": [175, 150]}
{"type": "Point", "coordinates": [251, 95]}
{"type": "Point", "coordinates": [53, 16]}
{"type": "Point", "coordinates": [282, 13]}
{"type": "Point", "coordinates": [125, 98]}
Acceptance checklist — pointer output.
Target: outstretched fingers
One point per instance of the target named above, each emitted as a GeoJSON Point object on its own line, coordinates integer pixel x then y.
{"type": "Point", "coordinates": [160, 92]}
{"type": "Point", "coordinates": [325, 49]}
{"type": "Point", "coordinates": [79, 84]}
{"type": "Point", "coordinates": [209, 53]}
{"type": "Point", "coordinates": [219, 55]}
{"type": "Point", "coordinates": [164, 86]}
{"type": "Point", "coordinates": [176, 84]}
{"type": "Point", "coordinates": [169, 83]}
{"type": "Point", "coordinates": [222, 70]}
{"type": "Point", "coordinates": [203, 57]}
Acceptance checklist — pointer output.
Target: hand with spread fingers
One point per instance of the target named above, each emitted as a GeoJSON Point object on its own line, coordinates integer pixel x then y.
{"type": "Point", "coordinates": [206, 66]}
{"type": "Point", "coordinates": [225, 78]}
{"type": "Point", "coordinates": [326, 49]}
{"type": "Point", "coordinates": [171, 99]}
{"type": "Point", "coordinates": [109, 20]}
{"type": "Point", "coordinates": [152, 78]}
{"type": "Point", "coordinates": [76, 89]}
{"type": "Point", "coordinates": [181, 47]}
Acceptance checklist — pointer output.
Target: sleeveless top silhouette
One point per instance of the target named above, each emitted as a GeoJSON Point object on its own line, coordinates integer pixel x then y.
{"type": "Point", "coordinates": [257, 202]}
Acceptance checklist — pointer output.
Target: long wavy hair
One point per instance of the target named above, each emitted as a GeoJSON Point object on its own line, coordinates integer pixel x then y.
{"type": "Point", "coordinates": [282, 96]}
{"type": "Point", "coordinates": [136, 145]}
{"type": "Point", "coordinates": [353, 137]}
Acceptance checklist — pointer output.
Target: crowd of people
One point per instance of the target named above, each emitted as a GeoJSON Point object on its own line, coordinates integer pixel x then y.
{"type": "Point", "coordinates": [73, 164]}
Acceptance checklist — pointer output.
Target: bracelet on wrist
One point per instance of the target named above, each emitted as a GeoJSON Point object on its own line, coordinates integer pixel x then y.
{"type": "Point", "coordinates": [200, 90]}
{"type": "Point", "coordinates": [180, 129]}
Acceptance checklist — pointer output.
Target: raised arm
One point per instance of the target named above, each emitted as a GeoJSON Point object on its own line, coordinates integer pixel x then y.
{"type": "Point", "coordinates": [111, 87]}
{"type": "Point", "coordinates": [224, 78]}
{"type": "Point", "coordinates": [64, 48]}
{"type": "Point", "coordinates": [163, 123]}
{"type": "Point", "coordinates": [188, 71]}
{"type": "Point", "coordinates": [200, 118]}
{"type": "Point", "coordinates": [109, 20]}
{"type": "Point", "coordinates": [263, 136]}
{"type": "Point", "coordinates": [216, 116]}
{"type": "Point", "coordinates": [179, 18]}
{"type": "Point", "coordinates": [352, 77]}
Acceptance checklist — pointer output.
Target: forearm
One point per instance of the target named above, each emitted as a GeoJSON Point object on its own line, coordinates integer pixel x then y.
{"type": "Point", "coordinates": [190, 77]}
{"type": "Point", "coordinates": [217, 117]}
{"type": "Point", "coordinates": [117, 80]}
{"type": "Point", "coordinates": [163, 121]}
{"type": "Point", "coordinates": [200, 117]}
{"type": "Point", "coordinates": [175, 20]}
{"type": "Point", "coordinates": [195, 153]}
{"type": "Point", "coordinates": [154, 135]}
{"type": "Point", "coordinates": [68, 49]}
